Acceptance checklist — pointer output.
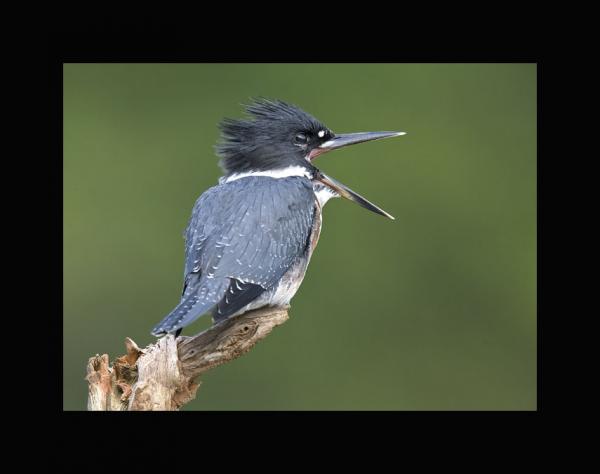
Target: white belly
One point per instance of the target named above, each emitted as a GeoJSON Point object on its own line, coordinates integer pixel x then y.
{"type": "Point", "coordinates": [289, 284]}
{"type": "Point", "coordinates": [283, 292]}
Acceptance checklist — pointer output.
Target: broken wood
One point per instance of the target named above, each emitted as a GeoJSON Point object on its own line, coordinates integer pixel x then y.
{"type": "Point", "coordinates": [162, 376]}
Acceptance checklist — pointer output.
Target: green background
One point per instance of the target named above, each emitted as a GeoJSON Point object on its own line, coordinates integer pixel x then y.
{"type": "Point", "coordinates": [433, 311]}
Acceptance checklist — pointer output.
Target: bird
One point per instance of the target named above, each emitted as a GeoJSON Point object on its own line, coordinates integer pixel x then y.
{"type": "Point", "coordinates": [250, 238]}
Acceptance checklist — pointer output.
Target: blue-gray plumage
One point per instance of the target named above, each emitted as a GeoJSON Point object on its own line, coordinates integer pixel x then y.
{"type": "Point", "coordinates": [250, 238]}
{"type": "Point", "coordinates": [242, 238]}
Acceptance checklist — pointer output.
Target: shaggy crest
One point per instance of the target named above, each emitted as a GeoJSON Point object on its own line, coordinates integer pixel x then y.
{"type": "Point", "coordinates": [261, 137]}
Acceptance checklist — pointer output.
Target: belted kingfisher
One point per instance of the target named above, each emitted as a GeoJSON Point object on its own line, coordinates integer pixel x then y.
{"type": "Point", "coordinates": [250, 238]}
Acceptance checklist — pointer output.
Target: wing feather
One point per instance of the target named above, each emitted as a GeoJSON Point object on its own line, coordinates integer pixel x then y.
{"type": "Point", "coordinates": [251, 229]}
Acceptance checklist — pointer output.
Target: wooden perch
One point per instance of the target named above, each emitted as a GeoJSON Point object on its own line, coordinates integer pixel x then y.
{"type": "Point", "coordinates": [162, 376]}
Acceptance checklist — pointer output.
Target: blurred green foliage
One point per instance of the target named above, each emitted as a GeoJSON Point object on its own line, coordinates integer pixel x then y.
{"type": "Point", "coordinates": [433, 311]}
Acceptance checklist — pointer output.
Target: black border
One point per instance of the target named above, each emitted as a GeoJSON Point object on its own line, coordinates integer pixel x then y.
{"type": "Point", "coordinates": [62, 48]}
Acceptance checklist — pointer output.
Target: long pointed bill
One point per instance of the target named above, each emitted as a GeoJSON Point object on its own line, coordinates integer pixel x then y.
{"type": "Point", "coordinates": [340, 141]}
{"type": "Point", "coordinates": [346, 192]}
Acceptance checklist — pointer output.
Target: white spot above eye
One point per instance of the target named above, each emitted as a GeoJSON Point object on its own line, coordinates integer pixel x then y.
{"type": "Point", "coordinates": [321, 133]}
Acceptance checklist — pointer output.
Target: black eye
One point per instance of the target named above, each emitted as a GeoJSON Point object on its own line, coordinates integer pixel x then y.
{"type": "Point", "coordinates": [300, 138]}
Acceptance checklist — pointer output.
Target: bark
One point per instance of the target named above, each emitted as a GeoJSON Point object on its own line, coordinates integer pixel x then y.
{"type": "Point", "coordinates": [163, 375]}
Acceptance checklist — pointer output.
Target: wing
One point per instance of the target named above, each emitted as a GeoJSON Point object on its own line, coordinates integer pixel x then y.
{"type": "Point", "coordinates": [241, 239]}
{"type": "Point", "coordinates": [251, 229]}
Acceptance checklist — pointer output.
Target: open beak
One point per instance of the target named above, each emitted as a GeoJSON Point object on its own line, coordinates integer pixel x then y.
{"type": "Point", "coordinates": [346, 139]}
{"type": "Point", "coordinates": [340, 141]}
{"type": "Point", "coordinates": [346, 192]}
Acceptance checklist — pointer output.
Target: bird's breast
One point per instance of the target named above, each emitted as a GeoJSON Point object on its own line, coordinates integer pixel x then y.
{"type": "Point", "coordinates": [316, 227]}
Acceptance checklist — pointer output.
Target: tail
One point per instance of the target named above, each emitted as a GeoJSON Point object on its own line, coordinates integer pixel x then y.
{"type": "Point", "coordinates": [198, 302]}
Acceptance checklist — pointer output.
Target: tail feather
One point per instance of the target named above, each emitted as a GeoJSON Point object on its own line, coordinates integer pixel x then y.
{"type": "Point", "coordinates": [198, 302]}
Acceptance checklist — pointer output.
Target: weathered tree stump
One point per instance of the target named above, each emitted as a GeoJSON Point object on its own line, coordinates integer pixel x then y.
{"type": "Point", "coordinates": [162, 376]}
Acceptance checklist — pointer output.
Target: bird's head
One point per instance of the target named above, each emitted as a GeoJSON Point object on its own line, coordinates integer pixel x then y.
{"type": "Point", "coordinates": [281, 139]}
